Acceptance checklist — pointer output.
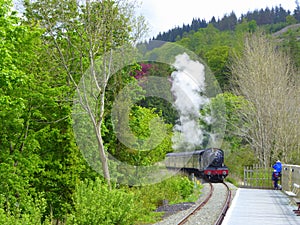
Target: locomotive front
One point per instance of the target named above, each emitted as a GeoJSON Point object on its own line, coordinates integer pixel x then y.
{"type": "Point", "coordinates": [212, 165]}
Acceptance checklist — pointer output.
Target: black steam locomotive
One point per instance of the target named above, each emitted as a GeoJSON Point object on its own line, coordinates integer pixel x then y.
{"type": "Point", "coordinates": [207, 163]}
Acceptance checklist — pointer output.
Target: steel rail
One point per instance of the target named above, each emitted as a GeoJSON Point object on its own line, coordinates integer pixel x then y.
{"type": "Point", "coordinates": [186, 218]}
{"type": "Point", "coordinates": [225, 207]}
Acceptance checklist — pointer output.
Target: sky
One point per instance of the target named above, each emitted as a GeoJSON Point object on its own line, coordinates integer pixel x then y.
{"type": "Point", "coordinates": [163, 15]}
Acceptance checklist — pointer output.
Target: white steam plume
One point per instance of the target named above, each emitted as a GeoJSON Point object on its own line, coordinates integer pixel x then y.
{"type": "Point", "coordinates": [188, 87]}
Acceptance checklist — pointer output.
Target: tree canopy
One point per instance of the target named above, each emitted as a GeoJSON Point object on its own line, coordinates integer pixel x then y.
{"type": "Point", "coordinates": [64, 65]}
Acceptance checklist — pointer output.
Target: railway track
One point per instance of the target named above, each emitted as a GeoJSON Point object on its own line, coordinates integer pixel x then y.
{"type": "Point", "coordinates": [225, 206]}
{"type": "Point", "coordinates": [211, 198]}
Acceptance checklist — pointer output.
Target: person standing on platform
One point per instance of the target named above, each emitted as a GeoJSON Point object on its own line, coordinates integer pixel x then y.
{"type": "Point", "coordinates": [277, 168]}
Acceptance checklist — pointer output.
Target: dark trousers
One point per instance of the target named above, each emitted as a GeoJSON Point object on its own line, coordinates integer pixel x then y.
{"type": "Point", "coordinates": [275, 182]}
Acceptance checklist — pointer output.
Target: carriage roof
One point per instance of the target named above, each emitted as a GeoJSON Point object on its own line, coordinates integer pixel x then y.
{"type": "Point", "coordinates": [196, 152]}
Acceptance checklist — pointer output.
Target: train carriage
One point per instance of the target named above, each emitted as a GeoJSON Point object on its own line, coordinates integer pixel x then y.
{"type": "Point", "coordinates": [207, 163]}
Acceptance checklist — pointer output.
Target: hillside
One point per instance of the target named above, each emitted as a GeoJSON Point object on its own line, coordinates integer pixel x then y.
{"type": "Point", "coordinates": [286, 29]}
{"type": "Point", "coordinates": [271, 17]}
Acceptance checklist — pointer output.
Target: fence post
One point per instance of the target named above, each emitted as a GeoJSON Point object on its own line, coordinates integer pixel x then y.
{"type": "Point", "coordinates": [290, 178]}
{"type": "Point", "coordinates": [256, 170]}
{"type": "Point", "coordinates": [245, 168]}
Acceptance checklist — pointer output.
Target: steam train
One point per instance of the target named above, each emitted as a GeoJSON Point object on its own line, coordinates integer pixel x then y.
{"type": "Point", "coordinates": [207, 163]}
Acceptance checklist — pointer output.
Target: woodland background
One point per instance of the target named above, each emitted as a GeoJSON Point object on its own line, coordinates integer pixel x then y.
{"type": "Point", "coordinates": [44, 178]}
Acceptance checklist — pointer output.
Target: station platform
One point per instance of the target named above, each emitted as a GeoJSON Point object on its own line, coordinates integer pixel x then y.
{"type": "Point", "coordinates": [261, 207]}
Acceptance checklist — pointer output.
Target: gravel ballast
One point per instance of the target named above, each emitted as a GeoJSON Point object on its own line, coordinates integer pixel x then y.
{"type": "Point", "coordinates": [175, 213]}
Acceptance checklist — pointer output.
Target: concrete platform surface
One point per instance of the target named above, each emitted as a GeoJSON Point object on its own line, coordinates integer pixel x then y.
{"type": "Point", "coordinates": [261, 207]}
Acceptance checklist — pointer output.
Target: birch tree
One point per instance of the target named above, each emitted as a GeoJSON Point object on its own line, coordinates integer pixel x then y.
{"type": "Point", "coordinates": [81, 37]}
{"type": "Point", "coordinates": [265, 76]}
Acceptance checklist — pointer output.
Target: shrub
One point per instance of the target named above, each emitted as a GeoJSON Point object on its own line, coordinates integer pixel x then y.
{"type": "Point", "coordinates": [32, 214]}
{"type": "Point", "coordinates": [96, 204]}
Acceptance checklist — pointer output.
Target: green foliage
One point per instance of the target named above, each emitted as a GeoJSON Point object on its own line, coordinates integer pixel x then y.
{"type": "Point", "coordinates": [196, 192]}
{"type": "Point", "coordinates": [291, 20]}
{"type": "Point", "coordinates": [231, 180]}
{"type": "Point", "coordinates": [218, 59]}
{"type": "Point", "coordinates": [246, 27]}
{"type": "Point", "coordinates": [259, 177]}
{"type": "Point", "coordinates": [31, 214]}
{"type": "Point", "coordinates": [63, 166]}
{"type": "Point", "coordinates": [237, 155]}
{"type": "Point", "coordinates": [146, 124]}
{"type": "Point", "coordinates": [272, 28]}
{"type": "Point", "coordinates": [41, 168]}
{"type": "Point", "coordinates": [182, 186]}
{"type": "Point", "coordinates": [225, 108]}
{"type": "Point", "coordinates": [166, 53]}
{"type": "Point", "coordinates": [38, 153]}
{"type": "Point", "coordinates": [215, 48]}
{"type": "Point", "coordinates": [153, 138]}
{"type": "Point", "coordinates": [205, 39]}
{"type": "Point", "coordinates": [175, 189]}
{"type": "Point", "coordinates": [237, 159]}
{"type": "Point", "coordinates": [75, 35]}
{"type": "Point", "coordinates": [290, 42]}
{"type": "Point", "coordinates": [94, 203]}
{"type": "Point", "coordinates": [161, 105]}
{"type": "Point", "coordinates": [233, 105]}
{"type": "Point", "coordinates": [19, 158]}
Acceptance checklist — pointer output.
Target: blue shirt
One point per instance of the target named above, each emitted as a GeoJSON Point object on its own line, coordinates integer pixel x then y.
{"type": "Point", "coordinates": [277, 166]}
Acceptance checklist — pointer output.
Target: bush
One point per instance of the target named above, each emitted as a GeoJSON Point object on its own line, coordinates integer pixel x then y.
{"type": "Point", "coordinates": [32, 214]}
{"type": "Point", "coordinates": [96, 204]}
{"type": "Point", "coordinates": [174, 189]}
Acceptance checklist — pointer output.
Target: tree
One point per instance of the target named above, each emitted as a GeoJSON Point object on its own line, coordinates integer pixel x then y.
{"type": "Point", "coordinates": [228, 22]}
{"type": "Point", "coordinates": [237, 153]}
{"type": "Point", "coordinates": [139, 121]}
{"type": "Point", "coordinates": [217, 59]}
{"type": "Point", "coordinates": [38, 154]}
{"type": "Point", "coordinates": [246, 26]}
{"type": "Point", "coordinates": [297, 11]}
{"type": "Point", "coordinates": [81, 38]}
{"type": "Point", "coordinates": [291, 20]}
{"type": "Point", "coordinates": [19, 160]}
{"type": "Point", "coordinates": [266, 78]}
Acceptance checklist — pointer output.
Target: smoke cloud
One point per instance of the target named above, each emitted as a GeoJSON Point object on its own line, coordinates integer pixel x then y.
{"type": "Point", "coordinates": [188, 87]}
